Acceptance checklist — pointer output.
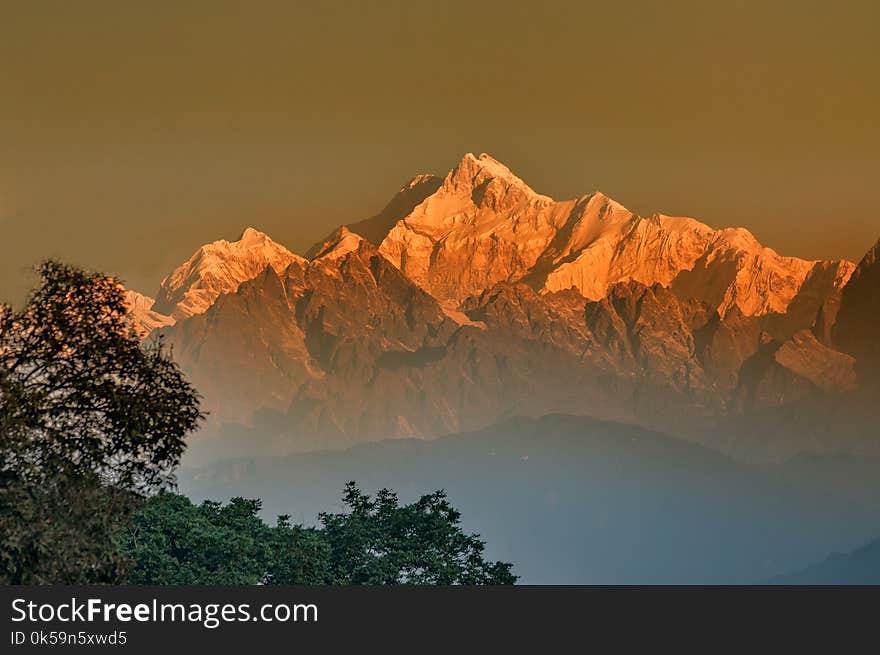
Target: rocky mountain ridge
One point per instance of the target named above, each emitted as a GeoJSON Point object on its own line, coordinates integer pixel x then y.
{"type": "Point", "coordinates": [484, 225]}
{"type": "Point", "coordinates": [485, 299]}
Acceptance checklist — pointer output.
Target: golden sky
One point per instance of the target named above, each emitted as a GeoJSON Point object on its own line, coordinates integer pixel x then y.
{"type": "Point", "coordinates": [132, 132]}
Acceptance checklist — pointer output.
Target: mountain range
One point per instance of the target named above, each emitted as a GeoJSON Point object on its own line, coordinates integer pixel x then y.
{"type": "Point", "coordinates": [471, 298]}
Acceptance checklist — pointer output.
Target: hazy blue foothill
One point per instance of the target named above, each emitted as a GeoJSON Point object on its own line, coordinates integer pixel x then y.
{"type": "Point", "coordinates": [577, 500]}
{"type": "Point", "coordinates": [859, 567]}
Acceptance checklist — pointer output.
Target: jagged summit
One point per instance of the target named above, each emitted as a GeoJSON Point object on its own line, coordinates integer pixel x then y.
{"type": "Point", "coordinates": [251, 235]}
{"type": "Point", "coordinates": [217, 268]}
{"type": "Point", "coordinates": [375, 228]}
{"type": "Point", "coordinates": [474, 174]}
{"type": "Point", "coordinates": [480, 225]}
{"type": "Point", "coordinates": [473, 171]}
{"type": "Point", "coordinates": [338, 244]}
{"type": "Point", "coordinates": [484, 225]}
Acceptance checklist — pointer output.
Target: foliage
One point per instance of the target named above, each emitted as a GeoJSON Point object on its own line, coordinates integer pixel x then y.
{"type": "Point", "coordinates": [90, 418]}
{"type": "Point", "coordinates": [77, 386]}
{"type": "Point", "coordinates": [173, 541]}
{"type": "Point", "coordinates": [62, 532]}
{"type": "Point", "coordinates": [378, 541]}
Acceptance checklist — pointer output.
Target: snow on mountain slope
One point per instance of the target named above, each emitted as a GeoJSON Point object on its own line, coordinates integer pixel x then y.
{"type": "Point", "coordinates": [323, 334]}
{"type": "Point", "coordinates": [409, 196]}
{"type": "Point", "coordinates": [145, 319]}
{"type": "Point", "coordinates": [338, 244]}
{"type": "Point", "coordinates": [609, 245]}
{"type": "Point", "coordinates": [484, 225]}
{"type": "Point", "coordinates": [217, 268]}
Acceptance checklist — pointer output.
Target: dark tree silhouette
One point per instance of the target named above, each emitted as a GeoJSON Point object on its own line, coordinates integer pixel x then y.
{"type": "Point", "coordinates": [90, 419]}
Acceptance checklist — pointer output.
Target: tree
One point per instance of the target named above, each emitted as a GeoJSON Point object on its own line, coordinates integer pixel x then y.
{"type": "Point", "coordinates": [378, 541]}
{"type": "Point", "coordinates": [90, 420]}
{"type": "Point", "coordinates": [298, 555]}
{"type": "Point", "coordinates": [173, 541]}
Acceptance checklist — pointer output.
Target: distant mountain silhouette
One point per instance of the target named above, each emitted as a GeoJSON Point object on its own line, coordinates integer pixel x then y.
{"type": "Point", "coordinates": [859, 567]}
{"type": "Point", "coordinates": [577, 500]}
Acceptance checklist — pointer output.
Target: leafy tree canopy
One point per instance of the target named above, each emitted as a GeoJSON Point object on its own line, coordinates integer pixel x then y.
{"type": "Point", "coordinates": [79, 391]}
{"type": "Point", "coordinates": [90, 418]}
{"type": "Point", "coordinates": [173, 541]}
{"type": "Point", "coordinates": [379, 541]}
{"type": "Point", "coordinates": [375, 541]}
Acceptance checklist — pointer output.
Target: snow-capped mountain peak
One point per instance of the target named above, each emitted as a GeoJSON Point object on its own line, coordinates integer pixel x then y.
{"type": "Point", "coordinates": [484, 225]}
{"type": "Point", "coordinates": [217, 268]}
{"type": "Point", "coordinates": [338, 244]}
{"type": "Point", "coordinates": [251, 236]}
{"type": "Point", "coordinates": [474, 172]}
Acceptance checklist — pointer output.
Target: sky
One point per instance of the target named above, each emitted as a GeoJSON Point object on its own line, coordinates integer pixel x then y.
{"type": "Point", "coordinates": [131, 133]}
